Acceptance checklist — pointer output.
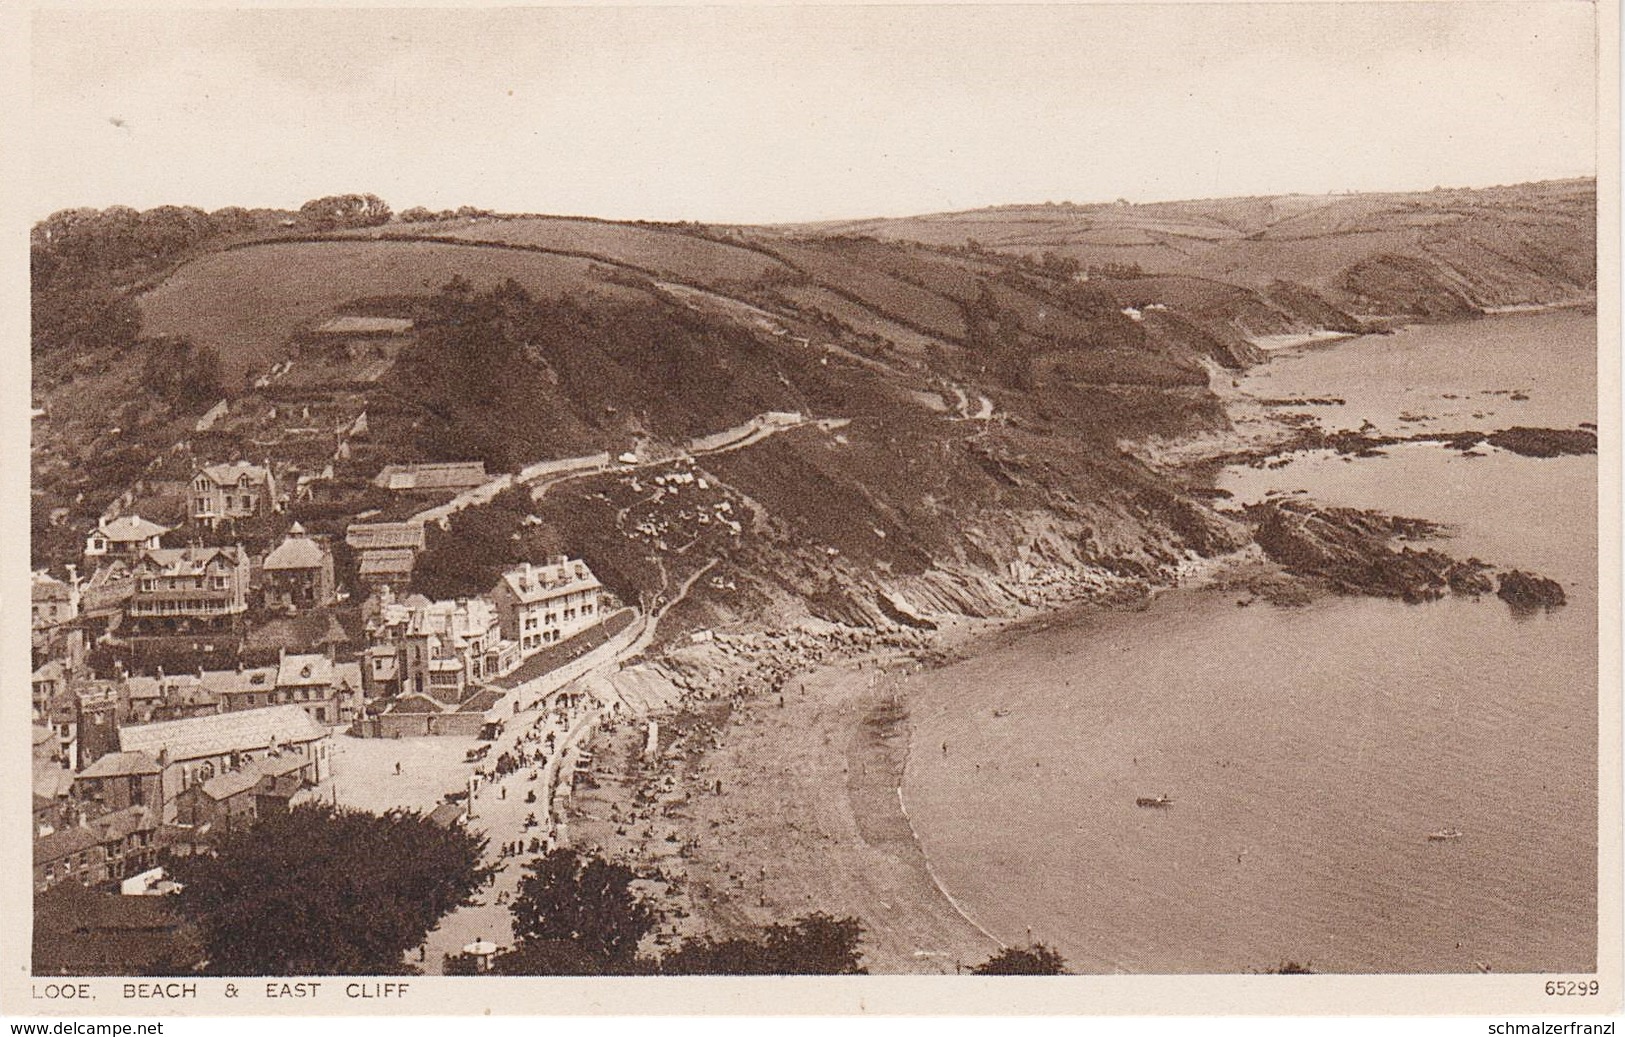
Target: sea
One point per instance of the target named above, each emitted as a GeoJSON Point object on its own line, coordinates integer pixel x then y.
{"type": "Point", "coordinates": [1308, 752]}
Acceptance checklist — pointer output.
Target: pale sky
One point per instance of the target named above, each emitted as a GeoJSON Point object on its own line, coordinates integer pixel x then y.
{"type": "Point", "coordinates": [728, 114]}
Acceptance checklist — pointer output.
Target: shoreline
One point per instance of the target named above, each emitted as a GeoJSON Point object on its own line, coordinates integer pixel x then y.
{"type": "Point", "coordinates": [801, 806]}
{"type": "Point", "coordinates": [787, 796]}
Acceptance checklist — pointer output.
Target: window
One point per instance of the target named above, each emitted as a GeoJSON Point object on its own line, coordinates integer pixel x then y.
{"type": "Point", "coordinates": [146, 584]}
{"type": "Point", "coordinates": [219, 583]}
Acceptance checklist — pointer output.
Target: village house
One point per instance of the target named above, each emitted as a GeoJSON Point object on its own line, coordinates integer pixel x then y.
{"type": "Point", "coordinates": [439, 648]}
{"type": "Point", "coordinates": [238, 490]}
{"type": "Point", "coordinates": [188, 590]}
{"type": "Point", "coordinates": [385, 551]}
{"type": "Point", "coordinates": [119, 780]}
{"type": "Point", "coordinates": [54, 602]}
{"type": "Point", "coordinates": [123, 537]}
{"type": "Point", "coordinates": [49, 682]}
{"type": "Point", "coordinates": [223, 803]}
{"type": "Point", "coordinates": [454, 476]}
{"type": "Point", "coordinates": [98, 852]}
{"type": "Point", "coordinates": [539, 605]}
{"type": "Point", "coordinates": [298, 573]}
{"type": "Point", "coordinates": [192, 751]}
{"type": "Point", "coordinates": [329, 692]}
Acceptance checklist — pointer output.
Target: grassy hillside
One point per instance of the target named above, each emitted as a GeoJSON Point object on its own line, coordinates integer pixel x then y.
{"type": "Point", "coordinates": [976, 386]}
{"type": "Point", "coordinates": [1422, 254]}
{"type": "Point", "coordinates": [247, 302]}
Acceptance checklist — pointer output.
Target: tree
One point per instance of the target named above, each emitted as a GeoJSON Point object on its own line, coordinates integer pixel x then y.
{"type": "Point", "coordinates": [812, 945]}
{"type": "Point", "coordinates": [577, 912]}
{"type": "Point", "coordinates": [181, 373]}
{"type": "Point", "coordinates": [319, 891]}
{"type": "Point", "coordinates": [338, 211]}
{"type": "Point", "coordinates": [82, 320]}
{"type": "Point", "coordinates": [1033, 960]}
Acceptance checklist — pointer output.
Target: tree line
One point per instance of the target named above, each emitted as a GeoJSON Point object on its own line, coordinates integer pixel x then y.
{"type": "Point", "coordinates": [323, 891]}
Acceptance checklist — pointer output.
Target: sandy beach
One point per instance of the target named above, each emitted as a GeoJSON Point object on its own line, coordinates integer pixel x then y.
{"type": "Point", "coordinates": [783, 798]}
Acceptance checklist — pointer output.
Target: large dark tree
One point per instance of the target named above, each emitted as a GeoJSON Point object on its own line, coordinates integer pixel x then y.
{"type": "Point", "coordinates": [813, 945]}
{"type": "Point", "coordinates": [576, 913]}
{"type": "Point", "coordinates": [182, 374]}
{"type": "Point", "coordinates": [1035, 960]}
{"type": "Point", "coordinates": [315, 891]}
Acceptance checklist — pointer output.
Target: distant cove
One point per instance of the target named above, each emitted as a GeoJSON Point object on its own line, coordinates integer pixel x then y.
{"type": "Point", "coordinates": [1310, 751]}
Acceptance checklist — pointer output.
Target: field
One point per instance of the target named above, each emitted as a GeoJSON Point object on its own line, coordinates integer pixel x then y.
{"type": "Point", "coordinates": [246, 302]}
{"type": "Point", "coordinates": [669, 253]}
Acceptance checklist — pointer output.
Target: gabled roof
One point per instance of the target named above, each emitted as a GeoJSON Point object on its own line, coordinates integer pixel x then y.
{"type": "Point", "coordinates": [189, 561]}
{"type": "Point", "coordinates": [231, 474]}
{"type": "Point", "coordinates": [250, 775]}
{"type": "Point", "coordinates": [296, 552]}
{"type": "Point", "coordinates": [128, 529]}
{"type": "Point", "coordinates": [199, 737]}
{"type": "Point", "coordinates": [45, 587]}
{"type": "Point", "coordinates": [347, 674]}
{"type": "Point", "coordinates": [304, 670]}
{"type": "Point", "coordinates": [528, 583]}
{"type": "Point", "coordinates": [120, 824]}
{"type": "Point", "coordinates": [64, 842]}
{"type": "Point", "coordinates": [121, 764]}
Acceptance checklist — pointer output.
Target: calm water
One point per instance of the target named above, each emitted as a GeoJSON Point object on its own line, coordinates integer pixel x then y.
{"type": "Point", "coordinates": [1310, 750]}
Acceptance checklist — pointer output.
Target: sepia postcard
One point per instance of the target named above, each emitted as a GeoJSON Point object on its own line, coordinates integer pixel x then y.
{"type": "Point", "coordinates": [960, 509]}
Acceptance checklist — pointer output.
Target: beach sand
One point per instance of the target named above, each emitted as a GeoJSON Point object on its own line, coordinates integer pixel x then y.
{"type": "Point", "coordinates": [807, 818]}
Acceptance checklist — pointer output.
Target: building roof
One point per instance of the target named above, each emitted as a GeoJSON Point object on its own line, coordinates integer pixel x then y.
{"type": "Point", "coordinates": [199, 737]}
{"type": "Point", "coordinates": [364, 536]}
{"type": "Point", "coordinates": [347, 674]}
{"type": "Point", "coordinates": [250, 775]}
{"type": "Point", "coordinates": [447, 814]}
{"type": "Point", "coordinates": [388, 560]}
{"type": "Point", "coordinates": [295, 671]}
{"type": "Point", "coordinates": [51, 670]}
{"type": "Point", "coordinates": [122, 764]}
{"type": "Point", "coordinates": [529, 583]}
{"type": "Point", "coordinates": [365, 326]}
{"type": "Point", "coordinates": [296, 551]}
{"type": "Point", "coordinates": [41, 734]}
{"type": "Point", "coordinates": [45, 587]}
{"type": "Point", "coordinates": [444, 476]}
{"type": "Point", "coordinates": [118, 825]}
{"type": "Point", "coordinates": [64, 842]}
{"type": "Point", "coordinates": [231, 474]}
{"type": "Point", "coordinates": [129, 529]}
{"type": "Point", "coordinates": [190, 561]}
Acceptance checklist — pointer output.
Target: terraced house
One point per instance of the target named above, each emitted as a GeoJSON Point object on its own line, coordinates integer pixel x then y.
{"type": "Point", "coordinates": [237, 490]}
{"type": "Point", "coordinates": [541, 605]}
{"type": "Point", "coordinates": [188, 590]}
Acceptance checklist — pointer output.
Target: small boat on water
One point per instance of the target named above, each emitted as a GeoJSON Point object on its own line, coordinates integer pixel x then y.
{"type": "Point", "coordinates": [1160, 802]}
{"type": "Point", "coordinates": [1443, 835]}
